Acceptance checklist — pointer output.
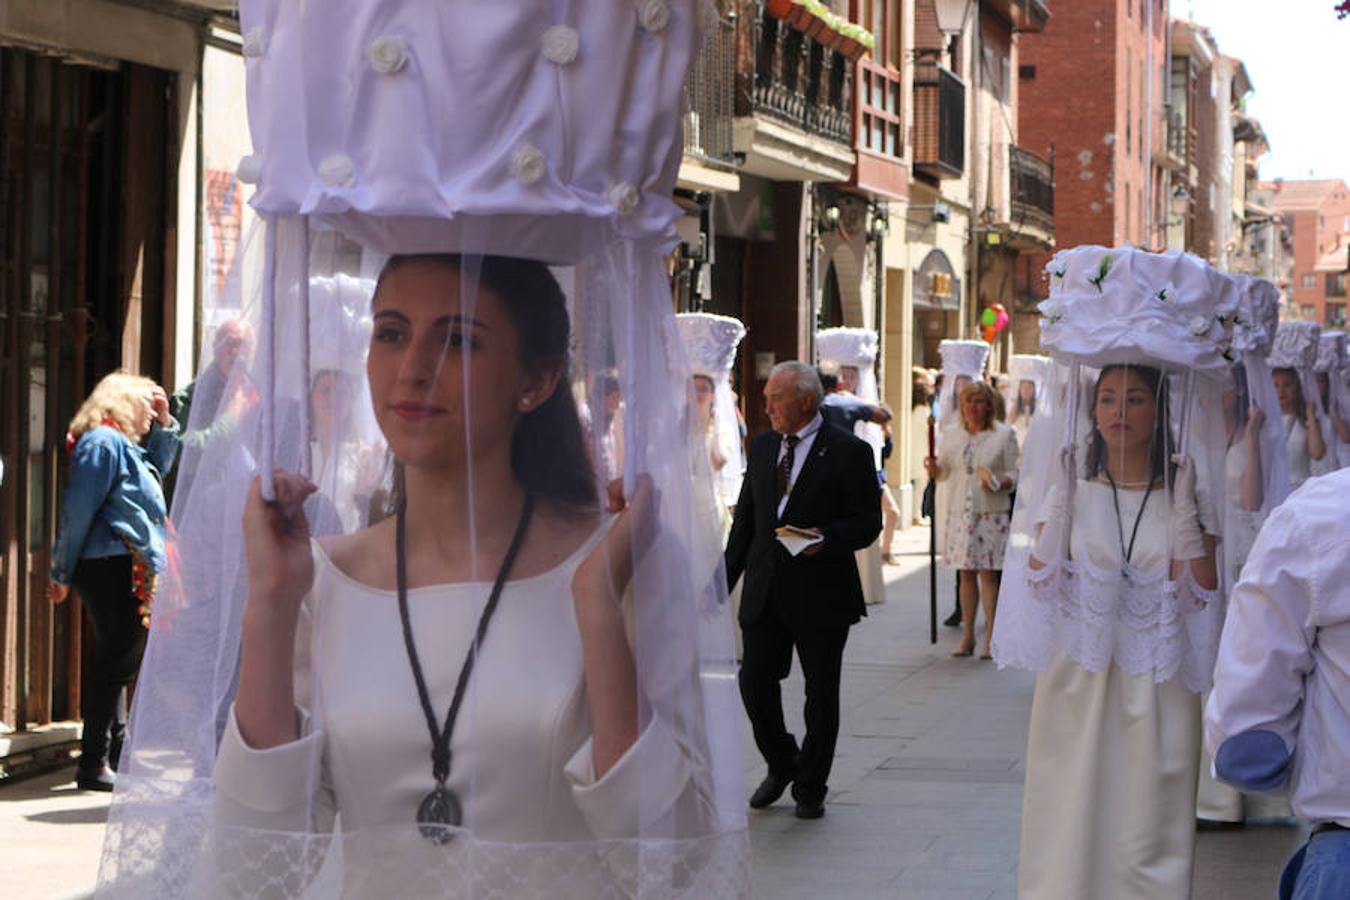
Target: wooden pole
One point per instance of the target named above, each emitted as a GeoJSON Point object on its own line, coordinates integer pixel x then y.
{"type": "Point", "coordinates": [932, 535]}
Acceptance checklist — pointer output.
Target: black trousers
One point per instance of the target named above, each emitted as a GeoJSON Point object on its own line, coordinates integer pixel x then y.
{"type": "Point", "coordinates": [766, 661]}
{"type": "Point", "coordinates": [104, 585]}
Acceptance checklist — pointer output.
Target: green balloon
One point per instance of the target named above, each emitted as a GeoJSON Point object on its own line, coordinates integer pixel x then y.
{"type": "Point", "coordinates": [988, 318]}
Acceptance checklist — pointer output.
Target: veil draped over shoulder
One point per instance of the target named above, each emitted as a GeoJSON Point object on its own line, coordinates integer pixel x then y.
{"type": "Point", "coordinates": [521, 159]}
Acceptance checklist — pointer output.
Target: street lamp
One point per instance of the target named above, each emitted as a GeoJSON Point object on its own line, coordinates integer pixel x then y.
{"type": "Point", "coordinates": [951, 16]}
{"type": "Point", "coordinates": [951, 20]}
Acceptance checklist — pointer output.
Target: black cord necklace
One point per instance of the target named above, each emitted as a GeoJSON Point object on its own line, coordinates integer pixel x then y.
{"type": "Point", "coordinates": [1127, 552]}
{"type": "Point", "coordinates": [441, 809]}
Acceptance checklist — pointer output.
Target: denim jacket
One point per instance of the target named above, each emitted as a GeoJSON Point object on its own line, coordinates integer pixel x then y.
{"type": "Point", "coordinates": [114, 500]}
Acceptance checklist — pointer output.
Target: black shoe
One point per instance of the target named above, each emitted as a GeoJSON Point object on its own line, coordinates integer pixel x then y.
{"type": "Point", "coordinates": [809, 809]}
{"type": "Point", "coordinates": [101, 779]}
{"type": "Point", "coordinates": [769, 790]}
{"type": "Point", "coordinates": [953, 621]}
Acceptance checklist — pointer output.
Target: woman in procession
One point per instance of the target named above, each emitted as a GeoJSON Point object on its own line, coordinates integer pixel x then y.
{"type": "Point", "coordinates": [517, 679]}
{"type": "Point", "coordinates": [1112, 593]}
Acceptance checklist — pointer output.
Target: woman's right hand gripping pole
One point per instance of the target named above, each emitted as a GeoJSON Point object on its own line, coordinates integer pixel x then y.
{"type": "Point", "coordinates": [280, 573]}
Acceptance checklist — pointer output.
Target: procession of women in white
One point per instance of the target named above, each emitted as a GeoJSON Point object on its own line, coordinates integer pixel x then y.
{"type": "Point", "coordinates": [448, 656]}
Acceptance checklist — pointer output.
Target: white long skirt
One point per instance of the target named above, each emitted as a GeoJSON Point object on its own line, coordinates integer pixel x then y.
{"type": "Point", "coordinates": [1109, 807]}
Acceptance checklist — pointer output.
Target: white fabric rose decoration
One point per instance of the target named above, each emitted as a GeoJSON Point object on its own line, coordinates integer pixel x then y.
{"type": "Point", "coordinates": [1205, 326]}
{"type": "Point", "coordinates": [1053, 310]}
{"type": "Point", "coordinates": [528, 164]}
{"type": "Point", "coordinates": [624, 198]}
{"type": "Point", "coordinates": [387, 54]}
{"type": "Point", "coordinates": [337, 170]}
{"type": "Point", "coordinates": [249, 170]}
{"type": "Point", "coordinates": [561, 44]}
{"type": "Point", "coordinates": [255, 44]}
{"type": "Point", "coordinates": [653, 15]}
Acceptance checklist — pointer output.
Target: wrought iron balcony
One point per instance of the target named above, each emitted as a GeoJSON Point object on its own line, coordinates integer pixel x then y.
{"type": "Point", "coordinates": [939, 122]}
{"type": "Point", "coordinates": [710, 89]}
{"type": "Point", "coordinates": [1033, 190]}
{"type": "Point", "coordinates": [801, 82]}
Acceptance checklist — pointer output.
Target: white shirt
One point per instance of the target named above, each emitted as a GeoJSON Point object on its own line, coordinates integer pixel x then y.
{"type": "Point", "coordinates": [1283, 669]}
{"type": "Point", "coordinates": [805, 438]}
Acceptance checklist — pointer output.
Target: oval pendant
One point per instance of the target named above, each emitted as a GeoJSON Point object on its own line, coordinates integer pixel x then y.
{"type": "Point", "coordinates": [438, 813]}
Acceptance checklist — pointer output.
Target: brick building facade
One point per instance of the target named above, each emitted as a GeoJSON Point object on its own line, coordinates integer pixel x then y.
{"type": "Point", "coordinates": [1317, 212]}
{"type": "Point", "coordinates": [1092, 84]}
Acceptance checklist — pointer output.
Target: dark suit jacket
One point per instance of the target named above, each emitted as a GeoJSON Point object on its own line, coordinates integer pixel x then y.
{"type": "Point", "coordinates": [837, 492]}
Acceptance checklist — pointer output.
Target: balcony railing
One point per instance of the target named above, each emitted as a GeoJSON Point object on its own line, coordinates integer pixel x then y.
{"type": "Point", "coordinates": [710, 89]}
{"type": "Point", "coordinates": [800, 81]}
{"type": "Point", "coordinates": [1033, 189]}
{"type": "Point", "coordinates": [939, 122]}
{"type": "Point", "coordinates": [1176, 135]}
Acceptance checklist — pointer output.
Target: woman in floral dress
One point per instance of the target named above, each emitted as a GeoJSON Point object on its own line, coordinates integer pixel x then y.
{"type": "Point", "coordinates": [980, 459]}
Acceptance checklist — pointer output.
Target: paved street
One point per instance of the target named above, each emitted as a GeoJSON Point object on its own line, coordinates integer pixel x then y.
{"type": "Point", "coordinates": [925, 800]}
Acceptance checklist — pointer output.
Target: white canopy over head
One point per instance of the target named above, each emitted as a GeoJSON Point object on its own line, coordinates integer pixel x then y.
{"type": "Point", "coordinates": [710, 343]}
{"type": "Point", "coordinates": [1296, 346]}
{"type": "Point", "coordinates": [1141, 342]}
{"type": "Point", "coordinates": [1258, 315]}
{"type": "Point", "coordinates": [484, 191]}
{"type": "Point", "coordinates": [960, 359]}
{"type": "Point", "coordinates": [1096, 308]}
{"type": "Point", "coordinates": [1330, 352]}
{"type": "Point", "coordinates": [856, 348]}
{"type": "Point", "coordinates": [1026, 367]}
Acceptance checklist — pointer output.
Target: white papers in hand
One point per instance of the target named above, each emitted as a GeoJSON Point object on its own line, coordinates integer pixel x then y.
{"type": "Point", "coordinates": [795, 540]}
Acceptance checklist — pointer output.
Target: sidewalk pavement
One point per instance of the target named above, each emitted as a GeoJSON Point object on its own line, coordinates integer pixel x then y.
{"type": "Point", "coordinates": [926, 792]}
{"type": "Point", "coordinates": [925, 795]}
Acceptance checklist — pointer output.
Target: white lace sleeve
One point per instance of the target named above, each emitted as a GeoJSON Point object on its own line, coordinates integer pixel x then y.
{"type": "Point", "coordinates": [283, 788]}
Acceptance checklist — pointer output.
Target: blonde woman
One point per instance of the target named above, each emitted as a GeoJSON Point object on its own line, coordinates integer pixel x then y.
{"type": "Point", "coordinates": [111, 546]}
{"type": "Point", "coordinates": [980, 459]}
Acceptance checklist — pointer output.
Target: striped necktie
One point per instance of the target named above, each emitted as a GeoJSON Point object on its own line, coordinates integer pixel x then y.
{"type": "Point", "coordinates": [785, 465]}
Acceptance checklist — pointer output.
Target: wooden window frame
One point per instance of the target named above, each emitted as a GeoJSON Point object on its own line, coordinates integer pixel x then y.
{"type": "Point", "coordinates": [877, 81]}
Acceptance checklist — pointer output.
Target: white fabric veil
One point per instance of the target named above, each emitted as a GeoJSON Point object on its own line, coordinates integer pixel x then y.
{"type": "Point", "coordinates": [1089, 571]}
{"type": "Point", "coordinates": [1331, 363]}
{"type": "Point", "coordinates": [1038, 371]}
{"type": "Point", "coordinates": [857, 349]}
{"type": "Point", "coordinates": [1248, 503]}
{"type": "Point", "coordinates": [1295, 348]}
{"type": "Point", "coordinates": [493, 188]}
{"type": "Point", "coordinates": [961, 361]}
{"type": "Point", "coordinates": [710, 343]}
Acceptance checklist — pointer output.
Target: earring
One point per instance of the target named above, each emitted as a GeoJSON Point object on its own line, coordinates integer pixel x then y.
{"type": "Point", "coordinates": [525, 402]}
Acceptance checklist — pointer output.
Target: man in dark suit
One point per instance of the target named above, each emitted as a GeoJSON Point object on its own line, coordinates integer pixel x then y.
{"type": "Point", "coordinates": [820, 480]}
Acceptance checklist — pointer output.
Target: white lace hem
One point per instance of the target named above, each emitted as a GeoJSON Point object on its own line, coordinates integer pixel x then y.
{"type": "Point", "coordinates": [1142, 622]}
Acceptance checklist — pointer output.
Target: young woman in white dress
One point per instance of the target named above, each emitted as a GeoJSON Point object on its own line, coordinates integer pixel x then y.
{"type": "Point", "coordinates": [471, 395]}
{"type": "Point", "coordinates": [1304, 440]}
{"type": "Point", "coordinates": [1112, 756]}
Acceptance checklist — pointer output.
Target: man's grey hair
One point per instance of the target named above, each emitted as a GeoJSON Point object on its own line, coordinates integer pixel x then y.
{"type": "Point", "coordinates": [804, 379]}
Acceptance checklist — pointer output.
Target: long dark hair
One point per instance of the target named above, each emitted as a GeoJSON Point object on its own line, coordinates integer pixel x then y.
{"type": "Point", "coordinates": [1026, 407]}
{"type": "Point", "coordinates": [1160, 446]}
{"type": "Point", "coordinates": [548, 449]}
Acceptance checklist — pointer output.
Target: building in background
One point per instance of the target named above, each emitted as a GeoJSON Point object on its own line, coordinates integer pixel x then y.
{"type": "Point", "coordinates": [102, 189]}
{"type": "Point", "coordinates": [1093, 85]}
{"type": "Point", "coordinates": [1317, 214]}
